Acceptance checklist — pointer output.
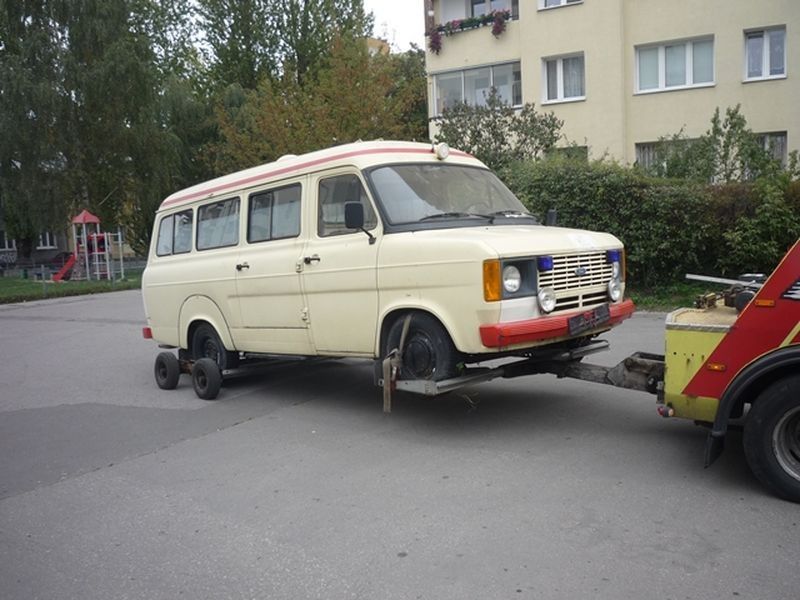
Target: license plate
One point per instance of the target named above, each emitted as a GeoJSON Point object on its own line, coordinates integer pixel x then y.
{"type": "Point", "coordinates": [588, 320]}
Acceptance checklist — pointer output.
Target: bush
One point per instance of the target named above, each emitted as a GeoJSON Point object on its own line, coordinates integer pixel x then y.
{"type": "Point", "coordinates": [669, 227]}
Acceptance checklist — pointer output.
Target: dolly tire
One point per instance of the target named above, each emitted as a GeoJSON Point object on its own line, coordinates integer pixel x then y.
{"type": "Point", "coordinates": [206, 379]}
{"type": "Point", "coordinates": [167, 371]}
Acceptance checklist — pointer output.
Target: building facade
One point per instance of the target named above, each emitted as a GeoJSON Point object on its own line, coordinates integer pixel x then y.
{"type": "Point", "coordinates": [624, 73]}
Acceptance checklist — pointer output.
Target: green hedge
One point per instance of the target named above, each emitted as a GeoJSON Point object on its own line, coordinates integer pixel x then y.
{"type": "Point", "coordinates": [669, 227]}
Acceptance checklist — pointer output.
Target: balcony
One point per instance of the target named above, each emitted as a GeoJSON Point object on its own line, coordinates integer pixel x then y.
{"type": "Point", "coordinates": [456, 16]}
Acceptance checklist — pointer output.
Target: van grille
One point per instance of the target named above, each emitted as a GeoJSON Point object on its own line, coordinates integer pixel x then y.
{"type": "Point", "coordinates": [579, 280]}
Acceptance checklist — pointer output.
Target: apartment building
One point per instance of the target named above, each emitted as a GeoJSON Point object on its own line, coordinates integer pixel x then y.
{"type": "Point", "coordinates": [624, 73]}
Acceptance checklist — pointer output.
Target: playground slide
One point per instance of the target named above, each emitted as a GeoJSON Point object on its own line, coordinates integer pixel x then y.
{"type": "Point", "coordinates": [66, 270]}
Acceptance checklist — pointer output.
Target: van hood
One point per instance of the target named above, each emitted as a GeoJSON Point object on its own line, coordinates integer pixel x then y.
{"type": "Point", "coordinates": [526, 240]}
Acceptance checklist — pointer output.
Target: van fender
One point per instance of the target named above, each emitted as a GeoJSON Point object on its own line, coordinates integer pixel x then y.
{"type": "Point", "coordinates": [403, 307]}
{"type": "Point", "coordinates": [202, 308]}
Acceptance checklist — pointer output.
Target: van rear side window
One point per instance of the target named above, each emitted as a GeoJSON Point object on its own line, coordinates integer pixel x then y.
{"type": "Point", "coordinates": [218, 224]}
{"type": "Point", "coordinates": [175, 234]}
{"type": "Point", "coordinates": [274, 214]}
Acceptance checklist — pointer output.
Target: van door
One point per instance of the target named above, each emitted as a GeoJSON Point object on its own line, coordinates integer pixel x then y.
{"type": "Point", "coordinates": [339, 268]}
{"type": "Point", "coordinates": [268, 284]}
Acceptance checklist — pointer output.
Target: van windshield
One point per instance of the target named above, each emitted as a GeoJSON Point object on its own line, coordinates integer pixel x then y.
{"type": "Point", "coordinates": [427, 192]}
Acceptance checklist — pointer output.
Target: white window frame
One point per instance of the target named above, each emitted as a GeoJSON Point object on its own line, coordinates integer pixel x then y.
{"type": "Point", "coordinates": [7, 244]}
{"type": "Point", "coordinates": [47, 241]}
{"type": "Point", "coordinates": [561, 4]}
{"type": "Point", "coordinates": [462, 72]}
{"type": "Point", "coordinates": [766, 138]}
{"type": "Point", "coordinates": [561, 99]}
{"type": "Point", "coordinates": [689, 66]}
{"type": "Point", "coordinates": [765, 53]}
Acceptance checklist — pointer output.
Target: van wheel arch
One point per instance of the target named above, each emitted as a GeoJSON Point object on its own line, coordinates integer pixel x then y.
{"type": "Point", "coordinates": [204, 341]}
{"type": "Point", "coordinates": [429, 353]}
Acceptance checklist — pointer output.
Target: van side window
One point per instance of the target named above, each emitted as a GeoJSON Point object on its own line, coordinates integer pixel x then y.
{"type": "Point", "coordinates": [164, 245]}
{"type": "Point", "coordinates": [175, 234]}
{"type": "Point", "coordinates": [218, 224]}
{"type": "Point", "coordinates": [274, 214]}
{"type": "Point", "coordinates": [333, 193]}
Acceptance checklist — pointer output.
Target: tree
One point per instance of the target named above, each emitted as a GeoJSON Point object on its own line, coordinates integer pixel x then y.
{"type": "Point", "coordinates": [242, 41]}
{"type": "Point", "coordinates": [496, 134]}
{"type": "Point", "coordinates": [353, 96]}
{"type": "Point", "coordinates": [308, 27]}
{"type": "Point", "coordinates": [31, 163]}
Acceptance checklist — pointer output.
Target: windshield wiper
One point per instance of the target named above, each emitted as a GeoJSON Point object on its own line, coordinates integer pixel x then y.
{"type": "Point", "coordinates": [512, 214]}
{"type": "Point", "coordinates": [449, 215]}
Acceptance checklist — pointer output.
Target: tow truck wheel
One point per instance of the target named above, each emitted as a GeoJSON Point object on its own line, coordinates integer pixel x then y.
{"type": "Point", "coordinates": [167, 371]}
{"type": "Point", "coordinates": [206, 379]}
{"type": "Point", "coordinates": [428, 352]}
{"type": "Point", "coordinates": [772, 437]}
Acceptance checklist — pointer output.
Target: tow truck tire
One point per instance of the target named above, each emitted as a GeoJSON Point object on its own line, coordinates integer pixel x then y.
{"type": "Point", "coordinates": [167, 371]}
{"type": "Point", "coordinates": [428, 352]}
{"type": "Point", "coordinates": [772, 438]}
{"type": "Point", "coordinates": [206, 344]}
{"type": "Point", "coordinates": [206, 379]}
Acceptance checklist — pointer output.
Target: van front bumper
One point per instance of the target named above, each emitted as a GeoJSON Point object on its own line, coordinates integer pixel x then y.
{"type": "Point", "coordinates": [501, 335]}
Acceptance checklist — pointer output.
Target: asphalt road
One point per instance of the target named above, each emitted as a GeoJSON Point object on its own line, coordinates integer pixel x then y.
{"type": "Point", "coordinates": [295, 485]}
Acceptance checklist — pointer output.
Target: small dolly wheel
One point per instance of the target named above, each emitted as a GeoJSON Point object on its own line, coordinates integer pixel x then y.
{"type": "Point", "coordinates": [167, 371]}
{"type": "Point", "coordinates": [206, 378]}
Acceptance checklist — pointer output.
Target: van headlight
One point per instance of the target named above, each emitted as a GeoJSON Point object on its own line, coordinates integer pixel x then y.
{"type": "Point", "coordinates": [547, 299]}
{"type": "Point", "coordinates": [614, 289]}
{"type": "Point", "coordinates": [512, 279]}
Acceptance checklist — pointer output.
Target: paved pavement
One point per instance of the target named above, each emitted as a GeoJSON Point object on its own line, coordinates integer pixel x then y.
{"type": "Point", "coordinates": [294, 484]}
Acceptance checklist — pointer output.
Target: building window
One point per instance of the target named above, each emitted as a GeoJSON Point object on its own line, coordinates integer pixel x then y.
{"type": "Point", "coordinates": [453, 10]}
{"type": "Point", "coordinates": [765, 53]}
{"type": "Point", "coordinates": [482, 7]}
{"type": "Point", "coordinates": [564, 78]}
{"type": "Point", "coordinates": [556, 3]}
{"type": "Point", "coordinates": [472, 86]}
{"type": "Point", "coordinates": [776, 144]}
{"type": "Point", "coordinates": [47, 241]}
{"type": "Point", "coordinates": [5, 243]}
{"type": "Point", "coordinates": [675, 65]}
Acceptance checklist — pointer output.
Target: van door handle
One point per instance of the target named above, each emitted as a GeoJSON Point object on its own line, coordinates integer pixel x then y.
{"type": "Point", "coordinates": [313, 258]}
{"type": "Point", "coordinates": [241, 266]}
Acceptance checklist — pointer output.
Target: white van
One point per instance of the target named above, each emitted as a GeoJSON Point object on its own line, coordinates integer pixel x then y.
{"type": "Point", "coordinates": [325, 254]}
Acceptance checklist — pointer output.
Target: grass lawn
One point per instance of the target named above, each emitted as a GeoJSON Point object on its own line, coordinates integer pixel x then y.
{"type": "Point", "coordinates": [669, 296]}
{"type": "Point", "coordinates": [16, 289]}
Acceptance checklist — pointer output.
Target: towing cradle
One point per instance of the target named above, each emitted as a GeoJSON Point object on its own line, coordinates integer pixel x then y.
{"type": "Point", "coordinates": [640, 371]}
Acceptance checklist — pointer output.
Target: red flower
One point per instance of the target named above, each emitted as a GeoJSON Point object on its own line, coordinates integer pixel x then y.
{"type": "Point", "coordinates": [499, 25]}
{"type": "Point", "coordinates": [435, 41]}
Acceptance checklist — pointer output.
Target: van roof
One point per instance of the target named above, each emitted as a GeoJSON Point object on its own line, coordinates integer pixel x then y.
{"type": "Point", "coordinates": [360, 154]}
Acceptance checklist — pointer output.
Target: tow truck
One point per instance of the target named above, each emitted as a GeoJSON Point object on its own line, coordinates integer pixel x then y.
{"type": "Point", "coordinates": [724, 366]}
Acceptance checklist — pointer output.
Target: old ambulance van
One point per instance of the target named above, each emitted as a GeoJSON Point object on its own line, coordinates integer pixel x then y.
{"type": "Point", "coordinates": [325, 254]}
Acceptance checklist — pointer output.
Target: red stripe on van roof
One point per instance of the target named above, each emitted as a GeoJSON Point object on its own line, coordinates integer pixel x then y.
{"type": "Point", "coordinates": [253, 179]}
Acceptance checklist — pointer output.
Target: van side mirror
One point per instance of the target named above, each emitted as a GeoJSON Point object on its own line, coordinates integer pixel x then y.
{"type": "Point", "coordinates": [354, 215]}
{"type": "Point", "coordinates": [354, 218]}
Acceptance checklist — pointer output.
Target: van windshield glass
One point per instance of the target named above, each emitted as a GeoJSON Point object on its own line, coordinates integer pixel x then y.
{"type": "Point", "coordinates": [427, 192]}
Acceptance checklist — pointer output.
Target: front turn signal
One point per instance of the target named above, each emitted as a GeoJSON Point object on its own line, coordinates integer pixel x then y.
{"type": "Point", "coordinates": [492, 290]}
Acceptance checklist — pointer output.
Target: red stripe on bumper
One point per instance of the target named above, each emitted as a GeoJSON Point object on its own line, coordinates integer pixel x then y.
{"type": "Point", "coordinates": [544, 328]}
